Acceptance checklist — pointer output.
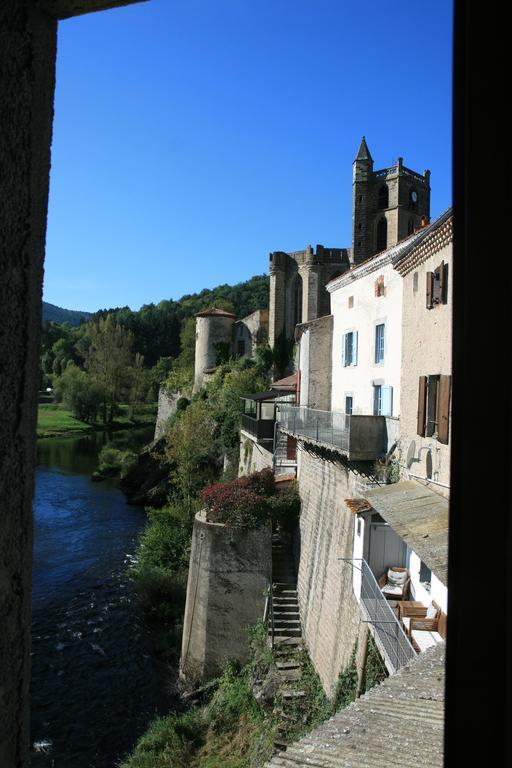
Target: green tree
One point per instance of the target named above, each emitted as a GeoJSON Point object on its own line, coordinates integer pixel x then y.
{"type": "Point", "coordinates": [192, 451]}
{"type": "Point", "coordinates": [108, 361]}
{"type": "Point", "coordinates": [139, 384]}
{"type": "Point", "coordinates": [79, 393]}
{"type": "Point", "coordinates": [224, 393]}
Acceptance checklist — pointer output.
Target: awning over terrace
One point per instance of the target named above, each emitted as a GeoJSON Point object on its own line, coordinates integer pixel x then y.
{"type": "Point", "coordinates": [420, 517]}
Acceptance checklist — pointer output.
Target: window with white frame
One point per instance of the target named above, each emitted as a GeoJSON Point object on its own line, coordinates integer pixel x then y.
{"type": "Point", "coordinates": [382, 400]}
{"type": "Point", "coordinates": [349, 348]}
{"type": "Point", "coordinates": [379, 343]}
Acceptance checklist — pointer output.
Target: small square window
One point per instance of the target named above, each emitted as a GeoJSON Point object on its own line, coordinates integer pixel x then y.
{"type": "Point", "coordinates": [350, 302]}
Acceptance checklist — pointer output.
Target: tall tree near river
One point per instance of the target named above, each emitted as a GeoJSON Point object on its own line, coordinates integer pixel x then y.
{"type": "Point", "coordinates": [108, 360]}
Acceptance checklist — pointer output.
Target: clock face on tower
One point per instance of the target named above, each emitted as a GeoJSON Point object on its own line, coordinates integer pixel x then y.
{"type": "Point", "coordinates": [414, 196]}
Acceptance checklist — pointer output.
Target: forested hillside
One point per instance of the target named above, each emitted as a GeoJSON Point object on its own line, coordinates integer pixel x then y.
{"type": "Point", "coordinates": [54, 314]}
{"type": "Point", "coordinates": [119, 355]}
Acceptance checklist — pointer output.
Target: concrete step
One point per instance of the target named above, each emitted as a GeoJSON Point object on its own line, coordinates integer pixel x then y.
{"type": "Point", "coordinates": [291, 664]}
{"type": "Point", "coordinates": [282, 622]}
{"type": "Point", "coordinates": [287, 614]}
{"type": "Point", "coordinates": [284, 632]}
{"type": "Point", "coordinates": [292, 695]}
{"type": "Point", "coordinates": [286, 642]}
{"type": "Point", "coordinates": [291, 675]}
{"type": "Point", "coordinates": [286, 620]}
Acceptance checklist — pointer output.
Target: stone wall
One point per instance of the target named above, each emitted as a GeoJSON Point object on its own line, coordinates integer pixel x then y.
{"type": "Point", "coordinates": [249, 332]}
{"type": "Point", "coordinates": [227, 580]}
{"type": "Point", "coordinates": [330, 614]}
{"type": "Point", "coordinates": [315, 362]}
{"type": "Point", "coordinates": [167, 402]}
{"type": "Point", "coordinates": [253, 456]}
{"type": "Point", "coordinates": [28, 39]}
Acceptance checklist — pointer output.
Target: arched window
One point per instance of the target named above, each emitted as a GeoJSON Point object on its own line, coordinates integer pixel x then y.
{"type": "Point", "coordinates": [297, 301]}
{"type": "Point", "coordinates": [382, 235]}
{"type": "Point", "coordinates": [410, 227]}
{"type": "Point", "coordinates": [383, 197]}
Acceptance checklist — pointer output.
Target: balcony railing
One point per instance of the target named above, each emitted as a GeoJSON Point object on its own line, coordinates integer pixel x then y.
{"type": "Point", "coordinates": [261, 429]}
{"type": "Point", "coordinates": [390, 637]}
{"type": "Point", "coordinates": [357, 437]}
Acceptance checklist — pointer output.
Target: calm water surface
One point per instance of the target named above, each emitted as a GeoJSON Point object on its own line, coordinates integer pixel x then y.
{"type": "Point", "coordinates": [96, 682]}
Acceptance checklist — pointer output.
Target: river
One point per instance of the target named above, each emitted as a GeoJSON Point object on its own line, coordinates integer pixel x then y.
{"type": "Point", "coordinates": [96, 682]}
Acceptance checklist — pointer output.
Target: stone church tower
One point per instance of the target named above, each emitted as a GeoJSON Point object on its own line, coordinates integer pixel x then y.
{"type": "Point", "coordinates": [387, 206]}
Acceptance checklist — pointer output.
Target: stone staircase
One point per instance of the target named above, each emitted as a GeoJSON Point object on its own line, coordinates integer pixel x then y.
{"type": "Point", "coordinates": [287, 633]}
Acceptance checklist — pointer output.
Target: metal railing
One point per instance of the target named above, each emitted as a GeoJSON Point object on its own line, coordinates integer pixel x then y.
{"type": "Point", "coordinates": [330, 427]}
{"type": "Point", "coordinates": [268, 614]}
{"type": "Point", "coordinates": [390, 636]}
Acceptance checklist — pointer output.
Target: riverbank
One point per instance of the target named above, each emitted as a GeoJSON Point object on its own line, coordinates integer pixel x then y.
{"type": "Point", "coordinates": [55, 421]}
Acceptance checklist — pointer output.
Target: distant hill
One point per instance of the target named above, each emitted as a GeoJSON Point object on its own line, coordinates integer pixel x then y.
{"type": "Point", "coordinates": [54, 314]}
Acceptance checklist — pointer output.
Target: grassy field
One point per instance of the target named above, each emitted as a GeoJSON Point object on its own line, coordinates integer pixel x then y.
{"type": "Point", "coordinates": [55, 421]}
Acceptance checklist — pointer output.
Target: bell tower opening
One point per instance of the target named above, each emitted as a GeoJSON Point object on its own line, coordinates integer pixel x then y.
{"type": "Point", "coordinates": [382, 235]}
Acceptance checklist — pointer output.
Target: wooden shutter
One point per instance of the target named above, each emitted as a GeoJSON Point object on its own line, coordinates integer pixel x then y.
{"type": "Point", "coordinates": [440, 283]}
{"type": "Point", "coordinates": [422, 406]}
{"type": "Point", "coordinates": [444, 295]}
{"type": "Point", "coordinates": [430, 289]}
{"type": "Point", "coordinates": [443, 429]}
{"type": "Point", "coordinates": [432, 409]}
{"type": "Point", "coordinates": [354, 348]}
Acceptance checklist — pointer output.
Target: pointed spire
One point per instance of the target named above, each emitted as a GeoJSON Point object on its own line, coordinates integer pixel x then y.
{"type": "Point", "coordinates": [364, 152]}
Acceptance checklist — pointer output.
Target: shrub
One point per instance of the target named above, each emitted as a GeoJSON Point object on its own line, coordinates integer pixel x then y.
{"type": "Point", "coordinates": [285, 507]}
{"type": "Point", "coordinates": [170, 742]}
{"type": "Point", "coordinates": [262, 483]}
{"type": "Point", "coordinates": [241, 503]}
{"type": "Point", "coordinates": [232, 504]}
{"type": "Point", "coordinates": [232, 699]}
{"type": "Point", "coordinates": [165, 542]}
{"type": "Point", "coordinates": [161, 572]}
{"type": "Point", "coordinates": [114, 462]}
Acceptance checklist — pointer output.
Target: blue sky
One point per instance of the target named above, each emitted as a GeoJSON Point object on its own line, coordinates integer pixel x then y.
{"type": "Point", "coordinates": [192, 138]}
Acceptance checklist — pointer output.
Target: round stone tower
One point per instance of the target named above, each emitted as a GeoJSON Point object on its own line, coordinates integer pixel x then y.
{"type": "Point", "coordinates": [213, 332]}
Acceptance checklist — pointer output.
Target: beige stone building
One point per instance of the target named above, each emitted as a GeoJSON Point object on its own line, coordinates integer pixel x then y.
{"type": "Point", "coordinates": [425, 412]}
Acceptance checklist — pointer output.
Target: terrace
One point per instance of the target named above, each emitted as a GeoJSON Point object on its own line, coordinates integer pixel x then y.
{"type": "Point", "coordinates": [358, 437]}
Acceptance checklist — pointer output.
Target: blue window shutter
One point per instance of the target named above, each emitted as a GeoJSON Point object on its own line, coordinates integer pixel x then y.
{"type": "Point", "coordinates": [354, 348]}
{"type": "Point", "coordinates": [344, 350]}
{"type": "Point", "coordinates": [387, 401]}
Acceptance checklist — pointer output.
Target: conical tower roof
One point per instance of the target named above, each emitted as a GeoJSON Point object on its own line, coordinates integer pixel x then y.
{"type": "Point", "coordinates": [364, 152]}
